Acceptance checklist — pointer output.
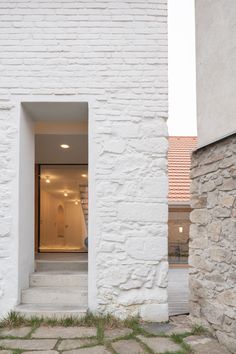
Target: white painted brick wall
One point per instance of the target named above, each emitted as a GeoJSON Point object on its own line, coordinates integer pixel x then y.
{"type": "Point", "coordinates": [116, 53]}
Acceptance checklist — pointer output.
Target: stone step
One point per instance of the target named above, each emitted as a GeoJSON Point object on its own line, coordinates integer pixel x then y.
{"type": "Point", "coordinates": [178, 308]}
{"type": "Point", "coordinates": [46, 265]}
{"type": "Point", "coordinates": [55, 295]}
{"type": "Point", "coordinates": [59, 279]}
{"type": "Point", "coordinates": [51, 311]}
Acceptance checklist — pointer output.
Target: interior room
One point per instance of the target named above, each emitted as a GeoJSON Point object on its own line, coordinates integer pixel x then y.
{"type": "Point", "coordinates": [63, 207]}
{"type": "Point", "coordinates": [178, 236]}
{"type": "Point", "coordinates": [61, 177]}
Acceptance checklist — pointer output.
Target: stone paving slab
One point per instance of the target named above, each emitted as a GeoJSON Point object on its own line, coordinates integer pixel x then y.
{"type": "Point", "coordinates": [99, 349]}
{"type": "Point", "coordinates": [178, 330]}
{"type": "Point", "coordinates": [181, 321]}
{"type": "Point", "coordinates": [5, 352]}
{"type": "Point", "coordinates": [203, 345]}
{"type": "Point", "coordinates": [110, 334]}
{"type": "Point", "coordinates": [42, 352]}
{"type": "Point", "coordinates": [160, 345]}
{"type": "Point", "coordinates": [172, 327]}
{"type": "Point", "coordinates": [157, 328]}
{"type": "Point", "coordinates": [15, 332]}
{"type": "Point", "coordinates": [28, 344]}
{"type": "Point", "coordinates": [67, 344]}
{"type": "Point", "coordinates": [64, 332]}
{"type": "Point", "coordinates": [128, 347]}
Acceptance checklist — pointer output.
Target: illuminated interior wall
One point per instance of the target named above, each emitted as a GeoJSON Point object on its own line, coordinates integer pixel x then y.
{"type": "Point", "coordinates": [178, 239]}
{"type": "Point", "coordinates": [74, 229]}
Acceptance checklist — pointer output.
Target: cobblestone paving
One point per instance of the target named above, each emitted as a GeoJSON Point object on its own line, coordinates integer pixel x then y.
{"type": "Point", "coordinates": [175, 337]}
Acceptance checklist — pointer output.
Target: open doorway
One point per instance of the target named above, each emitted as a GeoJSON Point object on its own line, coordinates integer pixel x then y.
{"type": "Point", "coordinates": [53, 207]}
{"type": "Point", "coordinates": [179, 160]}
{"type": "Point", "coordinates": [61, 176]}
{"type": "Point", "coordinates": [63, 208]}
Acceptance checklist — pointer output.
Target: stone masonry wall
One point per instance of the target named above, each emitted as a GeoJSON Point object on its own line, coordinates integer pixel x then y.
{"type": "Point", "coordinates": [213, 239]}
{"type": "Point", "coordinates": [114, 52]}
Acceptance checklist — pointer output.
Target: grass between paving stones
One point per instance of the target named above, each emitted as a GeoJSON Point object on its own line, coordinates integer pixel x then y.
{"type": "Point", "coordinates": [14, 351]}
{"type": "Point", "coordinates": [14, 320]}
{"type": "Point", "coordinates": [198, 330]}
{"type": "Point", "coordinates": [179, 339]}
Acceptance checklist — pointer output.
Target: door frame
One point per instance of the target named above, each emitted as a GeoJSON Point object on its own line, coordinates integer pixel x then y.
{"type": "Point", "coordinates": [23, 261]}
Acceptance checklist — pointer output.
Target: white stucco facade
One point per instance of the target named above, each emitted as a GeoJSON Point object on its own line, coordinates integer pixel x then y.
{"type": "Point", "coordinates": [216, 67]}
{"type": "Point", "coordinates": [112, 55]}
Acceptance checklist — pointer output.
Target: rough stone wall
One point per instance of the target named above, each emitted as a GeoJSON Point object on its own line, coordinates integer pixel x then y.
{"type": "Point", "coordinates": [116, 53]}
{"type": "Point", "coordinates": [213, 239]}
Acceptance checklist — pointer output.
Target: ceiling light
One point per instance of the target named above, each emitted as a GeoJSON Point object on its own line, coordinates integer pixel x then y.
{"type": "Point", "coordinates": [64, 146]}
{"type": "Point", "coordinates": [84, 175]}
{"type": "Point", "coordinates": [181, 229]}
{"type": "Point", "coordinates": [77, 202]}
{"type": "Point", "coordinates": [65, 194]}
{"type": "Point", "coordinates": [48, 179]}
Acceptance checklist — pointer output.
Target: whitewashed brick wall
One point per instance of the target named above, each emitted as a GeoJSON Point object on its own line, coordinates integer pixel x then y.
{"type": "Point", "coordinates": [116, 53]}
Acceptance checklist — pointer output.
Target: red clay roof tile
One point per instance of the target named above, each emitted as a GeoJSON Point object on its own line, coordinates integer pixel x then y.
{"type": "Point", "coordinates": [179, 161]}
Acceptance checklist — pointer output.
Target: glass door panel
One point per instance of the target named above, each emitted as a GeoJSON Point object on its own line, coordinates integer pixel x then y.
{"type": "Point", "coordinates": [63, 208]}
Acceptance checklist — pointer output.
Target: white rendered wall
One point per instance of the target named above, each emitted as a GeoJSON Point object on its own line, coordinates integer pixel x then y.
{"type": "Point", "coordinates": [216, 69]}
{"type": "Point", "coordinates": [114, 56]}
{"type": "Point", "coordinates": [26, 200]}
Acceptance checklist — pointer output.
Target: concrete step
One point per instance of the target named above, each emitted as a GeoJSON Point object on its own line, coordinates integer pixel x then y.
{"type": "Point", "coordinates": [51, 265]}
{"type": "Point", "coordinates": [51, 311]}
{"type": "Point", "coordinates": [55, 295]}
{"type": "Point", "coordinates": [59, 279]}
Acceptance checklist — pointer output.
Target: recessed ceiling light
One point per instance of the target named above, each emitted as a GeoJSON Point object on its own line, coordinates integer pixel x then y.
{"type": "Point", "coordinates": [48, 179]}
{"type": "Point", "coordinates": [64, 146]}
{"type": "Point", "coordinates": [84, 175]}
{"type": "Point", "coordinates": [65, 194]}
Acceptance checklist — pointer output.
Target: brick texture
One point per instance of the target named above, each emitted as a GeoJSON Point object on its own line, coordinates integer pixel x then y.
{"type": "Point", "coordinates": [116, 53]}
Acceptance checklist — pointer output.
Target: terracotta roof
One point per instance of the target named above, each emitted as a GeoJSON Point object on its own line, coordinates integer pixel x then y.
{"type": "Point", "coordinates": [179, 159]}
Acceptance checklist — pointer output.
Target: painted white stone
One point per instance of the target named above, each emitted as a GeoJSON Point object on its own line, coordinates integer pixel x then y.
{"type": "Point", "coordinates": [149, 248]}
{"type": "Point", "coordinates": [135, 296]}
{"type": "Point", "coordinates": [89, 53]}
{"type": "Point", "coordinates": [126, 129]}
{"type": "Point", "coordinates": [116, 146]}
{"type": "Point", "coordinates": [158, 128]}
{"type": "Point", "coordinates": [155, 187]}
{"type": "Point", "coordinates": [4, 230]}
{"type": "Point", "coordinates": [162, 280]}
{"type": "Point", "coordinates": [155, 312]}
{"type": "Point", "coordinates": [147, 212]}
{"type": "Point", "coordinates": [151, 145]}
